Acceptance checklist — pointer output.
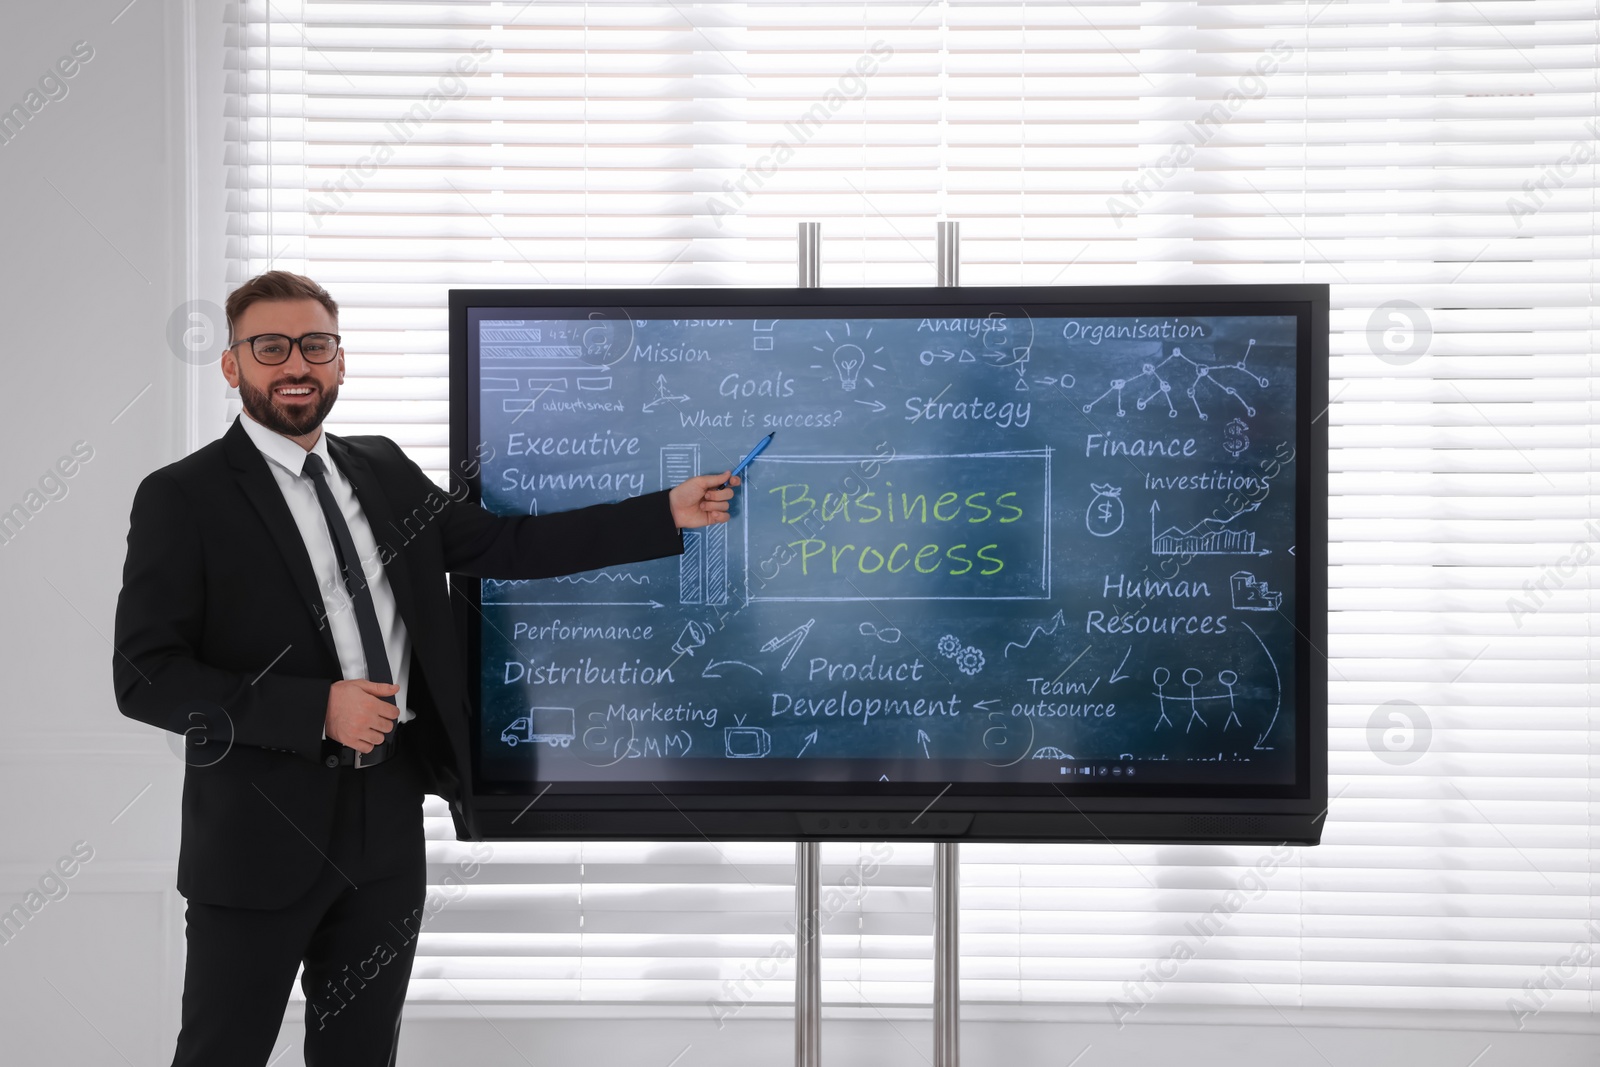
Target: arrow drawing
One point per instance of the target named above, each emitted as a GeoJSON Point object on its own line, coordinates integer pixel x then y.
{"type": "Point", "coordinates": [1208, 537]}
{"type": "Point", "coordinates": [812, 736]}
{"type": "Point", "coordinates": [875, 405]}
{"type": "Point", "coordinates": [664, 395]}
{"type": "Point", "coordinates": [984, 704]}
{"type": "Point", "coordinates": [1115, 677]}
{"type": "Point", "coordinates": [1056, 620]}
{"type": "Point", "coordinates": [1276, 677]}
{"type": "Point", "coordinates": [712, 672]}
{"type": "Point", "coordinates": [797, 635]}
{"type": "Point", "coordinates": [580, 603]}
{"type": "Point", "coordinates": [922, 738]}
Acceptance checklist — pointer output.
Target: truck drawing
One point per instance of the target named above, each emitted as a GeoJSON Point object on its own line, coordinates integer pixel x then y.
{"type": "Point", "coordinates": [553, 726]}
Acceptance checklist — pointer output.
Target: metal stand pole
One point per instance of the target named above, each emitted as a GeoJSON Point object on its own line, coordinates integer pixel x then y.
{"type": "Point", "coordinates": [947, 253]}
{"type": "Point", "coordinates": [807, 954]}
{"type": "Point", "coordinates": [947, 854]}
{"type": "Point", "coordinates": [810, 259]}
{"type": "Point", "coordinates": [946, 955]}
{"type": "Point", "coordinates": [808, 854]}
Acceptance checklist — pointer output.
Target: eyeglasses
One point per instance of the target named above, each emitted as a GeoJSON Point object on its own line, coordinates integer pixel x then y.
{"type": "Point", "coordinates": [271, 349]}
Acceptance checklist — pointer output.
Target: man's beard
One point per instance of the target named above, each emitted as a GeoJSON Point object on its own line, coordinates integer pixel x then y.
{"type": "Point", "coordinates": [269, 412]}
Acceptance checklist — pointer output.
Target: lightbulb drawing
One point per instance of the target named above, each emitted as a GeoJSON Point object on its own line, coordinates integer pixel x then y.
{"type": "Point", "coordinates": [848, 359]}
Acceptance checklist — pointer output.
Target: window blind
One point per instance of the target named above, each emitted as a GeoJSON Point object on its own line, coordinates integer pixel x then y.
{"type": "Point", "coordinates": [1433, 162]}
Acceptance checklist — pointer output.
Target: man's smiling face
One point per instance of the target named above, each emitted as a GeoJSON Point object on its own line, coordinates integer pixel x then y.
{"type": "Point", "coordinates": [293, 397]}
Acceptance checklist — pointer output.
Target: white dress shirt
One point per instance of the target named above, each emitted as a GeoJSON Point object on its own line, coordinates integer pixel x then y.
{"type": "Point", "coordinates": [286, 460]}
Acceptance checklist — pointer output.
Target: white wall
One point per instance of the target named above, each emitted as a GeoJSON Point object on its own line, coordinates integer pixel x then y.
{"type": "Point", "coordinates": [92, 261]}
{"type": "Point", "coordinates": [97, 247]}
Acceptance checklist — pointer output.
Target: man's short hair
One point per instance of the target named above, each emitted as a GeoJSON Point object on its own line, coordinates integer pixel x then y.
{"type": "Point", "coordinates": [276, 285]}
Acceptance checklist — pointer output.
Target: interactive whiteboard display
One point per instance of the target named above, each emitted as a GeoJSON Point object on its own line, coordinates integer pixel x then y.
{"type": "Point", "coordinates": [1029, 542]}
{"type": "Point", "coordinates": [1033, 563]}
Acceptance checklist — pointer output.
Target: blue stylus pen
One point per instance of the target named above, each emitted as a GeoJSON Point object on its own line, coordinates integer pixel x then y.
{"type": "Point", "coordinates": [761, 447]}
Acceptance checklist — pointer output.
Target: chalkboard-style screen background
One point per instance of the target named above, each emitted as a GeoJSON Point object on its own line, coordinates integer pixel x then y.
{"type": "Point", "coordinates": [1003, 542]}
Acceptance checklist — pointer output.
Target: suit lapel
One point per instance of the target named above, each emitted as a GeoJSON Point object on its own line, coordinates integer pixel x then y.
{"type": "Point", "coordinates": [391, 538]}
{"type": "Point", "coordinates": [255, 479]}
{"type": "Point", "coordinates": [380, 516]}
{"type": "Point", "coordinates": [259, 487]}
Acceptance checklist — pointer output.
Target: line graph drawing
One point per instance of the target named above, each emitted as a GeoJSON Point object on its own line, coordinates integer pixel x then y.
{"type": "Point", "coordinates": [1160, 379]}
{"type": "Point", "coordinates": [1208, 537]}
{"type": "Point", "coordinates": [608, 576]}
{"type": "Point", "coordinates": [1057, 620]}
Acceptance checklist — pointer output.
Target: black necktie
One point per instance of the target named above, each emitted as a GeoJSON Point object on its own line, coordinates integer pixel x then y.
{"type": "Point", "coordinates": [355, 583]}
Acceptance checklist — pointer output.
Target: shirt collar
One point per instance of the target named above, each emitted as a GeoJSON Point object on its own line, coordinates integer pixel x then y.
{"type": "Point", "coordinates": [282, 451]}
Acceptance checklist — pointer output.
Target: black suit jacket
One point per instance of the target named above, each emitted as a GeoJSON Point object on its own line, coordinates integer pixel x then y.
{"type": "Point", "coordinates": [221, 634]}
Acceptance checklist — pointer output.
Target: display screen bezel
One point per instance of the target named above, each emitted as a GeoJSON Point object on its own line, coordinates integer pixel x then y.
{"type": "Point", "coordinates": [1306, 794]}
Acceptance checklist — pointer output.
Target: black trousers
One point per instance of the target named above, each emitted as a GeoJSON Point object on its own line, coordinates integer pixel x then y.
{"type": "Point", "coordinates": [355, 931]}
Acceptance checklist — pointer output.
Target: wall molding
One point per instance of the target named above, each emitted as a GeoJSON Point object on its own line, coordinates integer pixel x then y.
{"type": "Point", "coordinates": [1549, 1021]}
{"type": "Point", "coordinates": [141, 750]}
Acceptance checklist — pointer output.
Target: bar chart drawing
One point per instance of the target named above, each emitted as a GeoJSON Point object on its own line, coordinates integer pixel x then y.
{"type": "Point", "coordinates": [716, 563]}
{"type": "Point", "coordinates": [703, 567]}
{"type": "Point", "coordinates": [1208, 537]}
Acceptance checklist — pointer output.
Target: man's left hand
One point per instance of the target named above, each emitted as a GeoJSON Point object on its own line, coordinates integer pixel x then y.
{"type": "Point", "coordinates": [697, 502]}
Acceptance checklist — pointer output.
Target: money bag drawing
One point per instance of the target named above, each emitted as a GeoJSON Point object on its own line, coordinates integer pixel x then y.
{"type": "Point", "coordinates": [1104, 517]}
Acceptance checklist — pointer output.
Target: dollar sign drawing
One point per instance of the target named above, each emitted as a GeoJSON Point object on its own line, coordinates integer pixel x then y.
{"type": "Point", "coordinates": [1234, 439]}
{"type": "Point", "coordinates": [1104, 516]}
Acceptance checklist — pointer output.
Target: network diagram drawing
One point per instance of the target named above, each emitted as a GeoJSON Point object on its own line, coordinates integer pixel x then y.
{"type": "Point", "coordinates": [1161, 378]}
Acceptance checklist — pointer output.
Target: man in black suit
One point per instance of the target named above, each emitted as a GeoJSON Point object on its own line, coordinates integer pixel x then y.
{"type": "Point", "coordinates": [284, 607]}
